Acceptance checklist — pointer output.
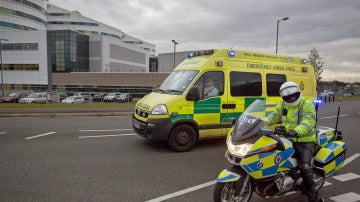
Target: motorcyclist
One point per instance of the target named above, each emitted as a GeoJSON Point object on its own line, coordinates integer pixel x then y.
{"type": "Point", "coordinates": [298, 118]}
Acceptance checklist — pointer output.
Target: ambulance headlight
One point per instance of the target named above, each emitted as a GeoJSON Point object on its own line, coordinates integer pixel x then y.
{"type": "Point", "coordinates": [238, 150]}
{"type": "Point", "coordinates": [159, 110]}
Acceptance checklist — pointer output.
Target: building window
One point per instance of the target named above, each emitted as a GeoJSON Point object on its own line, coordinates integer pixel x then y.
{"type": "Point", "coordinates": [68, 51]}
{"type": "Point", "coordinates": [19, 46]}
{"type": "Point", "coordinates": [21, 67]}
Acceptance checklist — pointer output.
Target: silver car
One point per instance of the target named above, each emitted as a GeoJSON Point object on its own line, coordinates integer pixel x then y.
{"type": "Point", "coordinates": [73, 99]}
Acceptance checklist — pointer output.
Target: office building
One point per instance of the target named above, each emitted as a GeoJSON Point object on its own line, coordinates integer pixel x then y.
{"type": "Point", "coordinates": [39, 39]}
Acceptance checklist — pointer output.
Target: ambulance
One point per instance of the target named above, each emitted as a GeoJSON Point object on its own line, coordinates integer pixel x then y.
{"type": "Point", "coordinates": [206, 92]}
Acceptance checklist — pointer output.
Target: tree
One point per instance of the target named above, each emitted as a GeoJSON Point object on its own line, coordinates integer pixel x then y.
{"type": "Point", "coordinates": [317, 63]}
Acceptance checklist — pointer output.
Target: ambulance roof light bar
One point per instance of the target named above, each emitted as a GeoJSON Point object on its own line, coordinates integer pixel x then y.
{"type": "Point", "coordinates": [199, 53]}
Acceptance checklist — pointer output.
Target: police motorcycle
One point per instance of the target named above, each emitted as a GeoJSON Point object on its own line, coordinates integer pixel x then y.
{"type": "Point", "coordinates": [264, 162]}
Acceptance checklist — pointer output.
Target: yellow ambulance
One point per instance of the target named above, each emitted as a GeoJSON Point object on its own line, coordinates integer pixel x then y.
{"type": "Point", "coordinates": [211, 88]}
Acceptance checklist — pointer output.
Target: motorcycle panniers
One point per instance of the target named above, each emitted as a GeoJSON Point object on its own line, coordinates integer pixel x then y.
{"type": "Point", "coordinates": [331, 157]}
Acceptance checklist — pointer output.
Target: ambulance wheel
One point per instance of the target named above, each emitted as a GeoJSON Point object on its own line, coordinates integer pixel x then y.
{"type": "Point", "coordinates": [182, 138]}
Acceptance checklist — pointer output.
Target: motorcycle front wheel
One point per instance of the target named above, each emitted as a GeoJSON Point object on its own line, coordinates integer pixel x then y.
{"type": "Point", "coordinates": [225, 192]}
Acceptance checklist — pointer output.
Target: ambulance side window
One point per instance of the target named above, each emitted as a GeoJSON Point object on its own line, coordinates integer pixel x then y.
{"type": "Point", "coordinates": [245, 84]}
{"type": "Point", "coordinates": [211, 84]}
{"type": "Point", "coordinates": [273, 83]}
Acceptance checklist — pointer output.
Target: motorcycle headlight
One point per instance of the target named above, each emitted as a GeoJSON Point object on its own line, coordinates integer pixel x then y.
{"type": "Point", "coordinates": [159, 110]}
{"type": "Point", "coordinates": [238, 150]}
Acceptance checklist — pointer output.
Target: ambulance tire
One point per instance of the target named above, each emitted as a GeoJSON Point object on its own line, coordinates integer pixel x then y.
{"type": "Point", "coordinates": [182, 138]}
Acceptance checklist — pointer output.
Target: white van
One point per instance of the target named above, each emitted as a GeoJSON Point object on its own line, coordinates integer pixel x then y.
{"type": "Point", "coordinates": [36, 98]}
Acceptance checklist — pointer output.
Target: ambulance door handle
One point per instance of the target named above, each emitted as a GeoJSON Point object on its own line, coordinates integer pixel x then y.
{"type": "Point", "coordinates": [228, 106]}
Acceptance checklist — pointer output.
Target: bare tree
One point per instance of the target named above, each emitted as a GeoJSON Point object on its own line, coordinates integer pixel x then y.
{"type": "Point", "coordinates": [317, 63]}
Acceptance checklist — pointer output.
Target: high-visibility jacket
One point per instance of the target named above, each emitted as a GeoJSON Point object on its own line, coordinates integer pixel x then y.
{"type": "Point", "coordinates": [301, 118]}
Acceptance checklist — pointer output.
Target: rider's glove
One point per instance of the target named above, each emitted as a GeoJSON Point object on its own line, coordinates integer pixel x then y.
{"type": "Point", "coordinates": [280, 130]}
{"type": "Point", "coordinates": [292, 133]}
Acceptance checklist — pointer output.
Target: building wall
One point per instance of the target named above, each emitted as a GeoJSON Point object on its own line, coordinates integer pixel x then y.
{"type": "Point", "coordinates": [25, 57]}
{"type": "Point", "coordinates": [21, 22]}
{"type": "Point", "coordinates": [28, 15]}
{"type": "Point", "coordinates": [166, 61]}
{"type": "Point", "coordinates": [109, 79]}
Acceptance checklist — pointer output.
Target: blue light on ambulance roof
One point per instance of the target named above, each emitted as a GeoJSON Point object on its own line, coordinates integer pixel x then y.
{"type": "Point", "coordinates": [191, 54]}
{"type": "Point", "coordinates": [304, 61]}
{"type": "Point", "coordinates": [232, 53]}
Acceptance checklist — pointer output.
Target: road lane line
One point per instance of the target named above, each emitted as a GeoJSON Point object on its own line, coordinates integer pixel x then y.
{"type": "Point", "coordinates": [3, 132]}
{"type": "Point", "coordinates": [98, 136]}
{"type": "Point", "coordinates": [41, 135]}
{"type": "Point", "coordinates": [346, 177]}
{"type": "Point", "coordinates": [348, 197]}
{"type": "Point", "coordinates": [110, 130]}
{"type": "Point", "coordinates": [330, 117]}
{"type": "Point", "coordinates": [191, 189]}
{"type": "Point", "coordinates": [351, 158]}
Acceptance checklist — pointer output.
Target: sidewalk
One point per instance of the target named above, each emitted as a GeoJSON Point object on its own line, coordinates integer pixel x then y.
{"type": "Point", "coordinates": [52, 112]}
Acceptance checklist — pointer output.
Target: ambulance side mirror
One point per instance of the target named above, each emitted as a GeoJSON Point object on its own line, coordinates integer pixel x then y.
{"type": "Point", "coordinates": [194, 94]}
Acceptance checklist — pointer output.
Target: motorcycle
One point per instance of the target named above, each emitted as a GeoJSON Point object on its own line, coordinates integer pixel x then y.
{"type": "Point", "coordinates": [264, 162]}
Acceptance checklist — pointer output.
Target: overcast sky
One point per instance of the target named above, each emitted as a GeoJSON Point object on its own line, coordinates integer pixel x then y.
{"type": "Point", "coordinates": [331, 26]}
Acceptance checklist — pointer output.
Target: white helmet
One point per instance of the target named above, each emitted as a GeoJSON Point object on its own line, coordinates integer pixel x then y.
{"type": "Point", "coordinates": [290, 93]}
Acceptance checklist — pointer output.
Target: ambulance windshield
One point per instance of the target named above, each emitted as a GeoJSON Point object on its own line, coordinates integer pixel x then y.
{"type": "Point", "coordinates": [177, 82]}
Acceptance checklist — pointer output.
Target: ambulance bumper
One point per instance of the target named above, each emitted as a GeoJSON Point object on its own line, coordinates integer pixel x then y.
{"type": "Point", "coordinates": [154, 129]}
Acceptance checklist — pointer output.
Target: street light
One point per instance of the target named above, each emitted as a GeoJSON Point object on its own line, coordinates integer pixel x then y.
{"type": "Point", "coordinates": [174, 50]}
{"type": "Point", "coordinates": [277, 32]}
{"type": "Point", "coordinates": [1, 66]}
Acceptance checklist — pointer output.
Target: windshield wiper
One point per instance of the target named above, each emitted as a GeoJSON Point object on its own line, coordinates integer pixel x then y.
{"type": "Point", "coordinates": [173, 91]}
{"type": "Point", "coordinates": [160, 90]}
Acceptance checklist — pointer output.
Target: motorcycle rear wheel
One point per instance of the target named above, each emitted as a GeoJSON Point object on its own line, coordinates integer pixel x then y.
{"type": "Point", "coordinates": [225, 192]}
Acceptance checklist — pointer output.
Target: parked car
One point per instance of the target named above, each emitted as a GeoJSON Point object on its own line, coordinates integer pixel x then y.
{"type": "Point", "coordinates": [74, 99]}
{"type": "Point", "coordinates": [14, 97]}
{"type": "Point", "coordinates": [124, 97]}
{"type": "Point", "coordinates": [62, 96]}
{"type": "Point", "coordinates": [85, 95]}
{"type": "Point", "coordinates": [327, 93]}
{"type": "Point", "coordinates": [35, 98]}
{"type": "Point", "coordinates": [99, 97]}
{"type": "Point", "coordinates": [111, 97]}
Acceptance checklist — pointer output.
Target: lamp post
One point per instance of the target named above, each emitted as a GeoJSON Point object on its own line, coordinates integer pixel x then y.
{"type": "Point", "coordinates": [174, 50]}
{"type": "Point", "coordinates": [1, 66]}
{"type": "Point", "coordinates": [277, 31]}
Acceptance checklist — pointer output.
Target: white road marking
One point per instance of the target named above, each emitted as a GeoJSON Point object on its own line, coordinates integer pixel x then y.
{"type": "Point", "coordinates": [172, 195]}
{"type": "Point", "coordinates": [191, 189]}
{"type": "Point", "coordinates": [351, 158]}
{"type": "Point", "coordinates": [3, 132]}
{"type": "Point", "coordinates": [327, 183]}
{"type": "Point", "coordinates": [98, 136]}
{"type": "Point", "coordinates": [110, 130]}
{"type": "Point", "coordinates": [330, 117]}
{"type": "Point", "coordinates": [346, 177]}
{"type": "Point", "coordinates": [348, 197]}
{"type": "Point", "coordinates": [41, 135]}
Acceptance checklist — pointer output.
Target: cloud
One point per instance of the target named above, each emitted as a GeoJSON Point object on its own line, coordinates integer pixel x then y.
{"type": "Point", "coordinates": [332, 26]}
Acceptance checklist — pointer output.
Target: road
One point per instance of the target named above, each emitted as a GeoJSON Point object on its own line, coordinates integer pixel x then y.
{"type": "Point", "coordinates": [72, 158]}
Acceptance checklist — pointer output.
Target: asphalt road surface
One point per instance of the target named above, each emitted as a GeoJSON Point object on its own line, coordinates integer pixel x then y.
{"type": "Point", "coordinates": [101, 159]}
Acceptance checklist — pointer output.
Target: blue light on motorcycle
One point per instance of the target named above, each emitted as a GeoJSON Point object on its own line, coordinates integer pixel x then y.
{"type": "Point", "coordinates": [317, 101]}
